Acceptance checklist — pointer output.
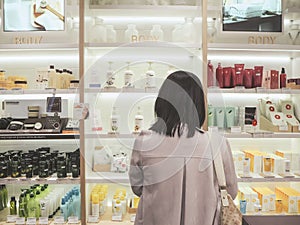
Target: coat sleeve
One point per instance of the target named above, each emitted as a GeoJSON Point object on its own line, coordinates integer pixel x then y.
{"type": "Point", "coordinates": [136, 175]}
{"type": "Point", "coordinates": [231, 179]}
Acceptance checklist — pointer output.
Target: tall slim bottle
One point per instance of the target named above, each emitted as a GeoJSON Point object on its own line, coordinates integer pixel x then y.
{"type": "Point", "coordinates": [219, 76]}
{"type": "Point", "coordinates": [22, 210]}
{"type": "Point", "coordinates": [52, 79]}
{"type": "Point", "coordinates": [13, 206]}
{"type": "Point", "coordinates": [210, 74]}
{"type": "Point", "coordinates": [282, 78]}
{"type": "Point", "coordinates": [31, 206]}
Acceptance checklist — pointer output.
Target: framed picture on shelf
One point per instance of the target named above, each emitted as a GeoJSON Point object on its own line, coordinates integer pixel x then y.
{"type": "Point", "coordinates": [252, 15]}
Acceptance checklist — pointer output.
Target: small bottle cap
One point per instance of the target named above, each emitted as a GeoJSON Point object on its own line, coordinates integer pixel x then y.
{"type": "Point", "coordinates": [282, 70]}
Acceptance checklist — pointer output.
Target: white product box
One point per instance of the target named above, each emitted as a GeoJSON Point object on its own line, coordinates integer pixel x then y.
{"type": "Point", "coordinates": [270, 108]}
{"type": "Point", "coordinates": [238, 159]}
{"type": "Point", "coordinates": [278, 164]}
{"type": "Point", "coordinates": [220, 115]}
{"type": "Point", "coordinates": [257, 164]}
{"type": "Point", "coordinates": [286, 106]}
{"type": "Point", "coordinates": [293, 204]}
{"type": "Point", "coordinates": [291, 119]}
{"type": "Point", "coordinates": [278, 118]}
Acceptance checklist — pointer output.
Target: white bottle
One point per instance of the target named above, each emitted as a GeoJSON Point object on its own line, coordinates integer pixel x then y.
{"type": "Point", "coordinates": [128, 75]}
{"type": "Point", "coordinates": [177, 33]}
{"type": "Point", "coordinates": [150, 78]}
{"type": "Point", "coordinates": [131, 34]}
{"type": "Point", "coordinates": [95, 205]}
{"type": "Point", "coordinates": [98, 31]}
{"type": "Point", "coordinates": [138, 121]}
{"type": "Point", "coordinates": [157, 33]}
{"type": "Point", "coordinates": [52, 76]}
{"type": "Point", "coordinates": [111, 35]}
{"type": "Point", "coordinates": [117, 209]}
{"type": "Point", "coordinates": [114, 126]}
{"type": "Point", "coordinates": [123, 204]}
{"type": "Point", "coordinates": [189, 30]}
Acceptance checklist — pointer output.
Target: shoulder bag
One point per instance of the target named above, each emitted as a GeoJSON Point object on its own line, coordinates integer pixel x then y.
{"type": "Point", "coordinates": [229, 214]}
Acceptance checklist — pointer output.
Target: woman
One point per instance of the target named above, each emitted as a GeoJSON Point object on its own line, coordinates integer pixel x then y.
{"type": "Point", "coordinates": [171, 165]}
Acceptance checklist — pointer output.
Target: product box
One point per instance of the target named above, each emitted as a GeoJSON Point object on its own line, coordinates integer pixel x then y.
{"type": "Point", "coordinates": [264, 198]}
{"type": "Point", "coordinates": [246, 193]}
{"type": "Point", "coordinates": [220, 116]}
{"type": "Point", "coordinates": [211, 116]}
{"type": "Point", "coordinates": [294, 158]}
{"type": "Point", "coordinates": [256, 158]}
{"type": "Point", "coordinates": [278, 164]}
{"type": "Point", "coordinates": [230, 116]}
{"type": "Point", "coordinates": [266, 124]}
{"type": "Point", "coordinates": [286, 106]}
{"type": "Point", "coordinates": [289, 198]}
{"type": "Point", "coordinates": [238, 159]}
{"type": "Point", "coordinates": [101, 159]}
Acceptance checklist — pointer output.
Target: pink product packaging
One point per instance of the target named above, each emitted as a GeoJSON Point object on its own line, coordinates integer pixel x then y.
{"type": "Point", "coordinates": [239, 68]}
{"type": "Point", "coordinates": [220, 76]}
{"type": "Point", "coordinates": [274, 81]}
{"type": "Point", "coordinates": [210, 74]}
{"type": "Point", "coordinates": [233, 77]}
{"type": "Point", "coordinates": [248, 77]}
{"type": "Point", "coordinates": [227, 77]}
{"type": "Point", "coordinates": [258, 76]}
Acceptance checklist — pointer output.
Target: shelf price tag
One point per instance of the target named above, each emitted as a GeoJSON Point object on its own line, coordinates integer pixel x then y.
{"type": "Point", "coordinates": [236, 129]}
{"type": "Point", "coordinates": [283, 127]}
{"type": "Point", "coordinates": [43, 220]}
{"type": "Point", "coordinates": [11, 218]}
{"type": "Point", "coordinates": [116, 218]}
{"type": "Point", "coordinates": [93, 219]}
{"type": "Point", "coordinates": [31, 220]}
{"type": "Point", "coordinates": [20, 221]}
{"type": "Point", "coordinates": [73, 219]}
{"type": "Point", "coordinates": [59, 220]}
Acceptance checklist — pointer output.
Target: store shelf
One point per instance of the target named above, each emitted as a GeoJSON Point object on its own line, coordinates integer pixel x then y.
{"type": "Point", "coordinates": [261, 134]}
{"type": "Point", "coordinates": [149, 10]}
{"type": "Point", "coordinates": [276, 178]}
{"type": "Point", "coordinates": [36, 180]}
{"type": "Point", "coordinates": [110, 136]}
{"type": "Point", "coordinates": [106, 177]}
{"type": "Point", "coordinates": [37, 136]}
{"type": "Point", "coordinates": [253, 47]}
{"type": "Point", "coordinates": [39, 92]}
{"type": "Point", "coordinates": [121, 90]}
{"type": "Point", "coordinates": [242, 90]}
{"type": "Point", "coordinates": [277, 219]}
{"type": "Point", "coordinates": [144, 44]}
{"type": "Point", "coordinates": [38, 47]}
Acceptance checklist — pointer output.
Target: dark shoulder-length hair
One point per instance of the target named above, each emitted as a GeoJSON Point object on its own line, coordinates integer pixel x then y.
{"type": "Point", "coordinates": [180, 104]}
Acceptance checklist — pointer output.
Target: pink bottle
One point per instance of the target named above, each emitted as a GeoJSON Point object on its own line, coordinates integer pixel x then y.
{"type": "Point", "coordinates": [239, 68]}
{"type": "Point", "coordinates": [210, 74]}
{"type": "Point", "coordinates": [248, 77]}
{"type": "Point", "coordinates": [227, 77]}
{"type": "Point", "coordinates": [282, 78]}
{"type": "Point", "coordinates": [220, 76]}
{"type": "Point", "coordinates": [258, 76]}
{"type": "Point", "coordinates": [274, 81]}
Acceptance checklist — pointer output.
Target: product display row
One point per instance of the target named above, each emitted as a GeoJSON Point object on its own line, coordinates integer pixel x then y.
{"type": "Point", "coordinates": [41, 162]}
{"type": "Point", "coordinates": [143, 2]}
{"type": "Point", "coordinates": [229, 77]}
{"type": "Point", "coordinates": [106, 33]}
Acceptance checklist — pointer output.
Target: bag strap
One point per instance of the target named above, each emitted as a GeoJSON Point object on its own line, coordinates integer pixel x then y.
{"type": "Point", "coordinates": [219, 170]}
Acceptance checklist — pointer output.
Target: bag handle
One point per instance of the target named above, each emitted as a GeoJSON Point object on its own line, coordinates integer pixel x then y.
{"type": "Point", "coordinates": [219, 170]}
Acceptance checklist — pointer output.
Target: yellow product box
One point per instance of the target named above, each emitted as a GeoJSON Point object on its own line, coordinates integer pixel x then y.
{"type": "Point", "coordinates": [272, 198]}
{"type": "Point", "coordinates": [238, 159]}
{"type": "Point", "coordinates": [289, 198]}
{"type": "Point", "coordinates": [277, 164]}
{"type": "Point", "coordinates": [263, 198]}
{"type": "Point", "coordinates": [256, 158]}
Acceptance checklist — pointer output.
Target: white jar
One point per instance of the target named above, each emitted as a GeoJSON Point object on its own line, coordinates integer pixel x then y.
{"type": "Point", "coordinates": [131, 34]}
{"type": "Point", "coordinates": [150, 79]}
{"type": "Point", "coordinates": [111, 34]}
{"type": "Point", "coordinates": [114, 121]}
{"type": "Point", "coordinates": [138, 121]}
{"type": "Point", "coordinates": [98, 31]}
{"type": "Point", "coordinates": [157, 33]}
{"type": "Point", "coordinates": [177, 33]}
{"type": "Point", "coordinates": [189, 30]}
{"type": "Point", "coordinates": [128, 75]}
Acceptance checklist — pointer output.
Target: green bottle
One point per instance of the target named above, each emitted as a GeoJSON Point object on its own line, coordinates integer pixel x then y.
{"type": "Point", "coordinates": [22, 211]}
{"type": "Point", "coordinates": [5, 196]}
{"type": "Point", "coordinates": [31, 206]}
{"type": "Point", "coordinates": [1, 199]}
{"type": "Point", "coordinates": [37, 203]}
{"type": "Point", "coordinates": [13, 206]}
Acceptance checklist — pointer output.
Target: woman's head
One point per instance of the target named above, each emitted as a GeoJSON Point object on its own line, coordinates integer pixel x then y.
{"type": "Point", "coordinates": [180, 103]}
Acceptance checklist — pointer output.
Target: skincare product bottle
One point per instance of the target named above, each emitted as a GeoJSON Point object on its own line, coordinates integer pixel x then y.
{"type": "Point", "coordinates": [131, 33]}
{"type": "Point", "coordinates": [188, 30]}
{"type": "Point", "coordinates": [150, 77]}
{"type": "Point", "coordinates": [157, 33]}
{"type": "Point", "coordinates": [283, 78]}
{"type": "Point", "coordinates": [274, 80]}
{"type": "Point", "coordinates": [210, 74]}
{"type": "Point", "coordinates": [110, 76]}
{"type": "Point", "coordinates": [95, 204]}
{"type": "Point", "coordinates": [31, 206]}
{"type": "Point", "coordinates": [248, 78]}
{"type": "Point", "coordinates": [138, 121]}
{"type": "Point", "coordinates": [219, 76]}
{"type": "Point", "coordinates": [64, 209]}
{"type": "Point", "coordinates": [98, 31]}
{"type": "Point", "coordinates": [257, 76]}
{"type": "Point", "coordinates": [52, 77]}
{"type": "Point", "coordinates": [13, 206]}
{"type": "Point", "coordinates": [114, 121]}
{"type": "Point", "coordinates": [128, 75]}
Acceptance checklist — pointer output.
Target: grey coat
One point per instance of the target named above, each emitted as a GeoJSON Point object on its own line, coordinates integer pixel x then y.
{"type": "Point", "coordinates": [175, 179]}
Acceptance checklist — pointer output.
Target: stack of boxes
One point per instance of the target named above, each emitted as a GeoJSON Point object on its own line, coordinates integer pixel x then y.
{"type": "Point", "coordinates": [290, 199]}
